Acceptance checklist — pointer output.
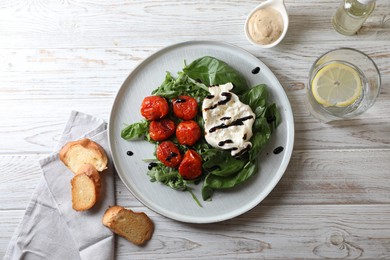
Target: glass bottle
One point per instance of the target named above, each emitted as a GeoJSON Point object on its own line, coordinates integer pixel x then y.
{"type": "Point", "coordinates": [351, 15]}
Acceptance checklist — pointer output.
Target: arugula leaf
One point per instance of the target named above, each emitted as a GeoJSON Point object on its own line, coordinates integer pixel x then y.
{"type": "Point", "coordinates": [135, 131]}
{"type": "Point", "coordinates": [171, 178]}
{"type": "Point", "coordinates": [182, 85]}
{"type": "Point", "coordinates": [211, 71]}
{"type": "Point", "coordinates": [168, 176]}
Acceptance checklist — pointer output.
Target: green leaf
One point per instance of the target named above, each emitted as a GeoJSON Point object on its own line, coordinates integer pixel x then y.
{"type": "Point", "coordinates": [167, 176]}
{"type": "Point", "coordinates": [182, 85]}
{"type": "Point", "coordinates": [273, 116]}
{"type": "Point", "coordinates": [223, 164]}
{"type": "Point", "coordinates": [261, 136]}
{"type": "Point", "coordinates": [211, 71]}
{"type": "Point", "coordinates": [218, 182]}
{"type": "Point", "coordinates": [135, 131]}
{"type": "Point", "coordinates": [166, 89]}
{"type": "Point", "coordinates": [207, 192]}
{"type": "Point", "coordinates": [256, 98]}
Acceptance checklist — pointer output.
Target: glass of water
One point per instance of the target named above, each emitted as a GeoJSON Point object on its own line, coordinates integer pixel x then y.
{"type": "Point", "coordinates": [343, 83]}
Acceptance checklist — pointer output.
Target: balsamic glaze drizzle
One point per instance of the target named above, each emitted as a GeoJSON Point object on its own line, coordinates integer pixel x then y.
{"type": "Point", "coordinates": [278, 150]}
{"type": "Point", "coordinates": [243, 150]}
{"type": "Point", "coordinates": [228, 97]}
{"type": "Point", "coordinates": [256, 70]}
{"type": "Point", "coordinates": [170, 156]}
{"type": "Point", "coordinates": [151, 165]}
{"type": "Point", "coordinates": [180, 100]}
{"type": "Point", "coordinates": [239, 121]}
{"type": "Point", "coordinates": [222, 143]}
{"type": "Point", "coordinates": [129, 153]}
{"type": "Point", "coordinates": [225, 118]}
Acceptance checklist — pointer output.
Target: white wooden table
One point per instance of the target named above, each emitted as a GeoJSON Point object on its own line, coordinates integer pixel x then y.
{"type": "Point", "coordinates": [334, 199]}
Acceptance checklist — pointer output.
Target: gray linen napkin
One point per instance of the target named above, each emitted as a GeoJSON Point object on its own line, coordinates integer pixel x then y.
{"type": "Point", "coordinates": [50, 228]}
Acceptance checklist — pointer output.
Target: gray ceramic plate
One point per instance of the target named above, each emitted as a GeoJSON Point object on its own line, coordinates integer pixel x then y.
{"type": "Point", "coordinates": [180, 205]}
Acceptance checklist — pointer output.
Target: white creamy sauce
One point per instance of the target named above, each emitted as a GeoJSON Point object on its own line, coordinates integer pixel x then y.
{"type": "Point", "coordinates": [228, 121]}
{"type": "Point", "coordinates": [265, 26]}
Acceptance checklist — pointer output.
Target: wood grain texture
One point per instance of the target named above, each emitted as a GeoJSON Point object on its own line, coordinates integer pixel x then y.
{"type": "Point", "coordinates": [312, 177]}
{"type": "Point", "coordinates": [150, 23]}
{"type": "Point", "coordinates": [311, 232]}
{"type": "Point", "coordinates": [49, 84]}
{"type": "Point", "coordinates": [61, 55]}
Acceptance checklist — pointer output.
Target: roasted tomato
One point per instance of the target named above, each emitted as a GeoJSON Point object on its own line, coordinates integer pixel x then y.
{"type": "Point", "coordinates": [168, 153]}
{"type": "Point", "coordinates": [188, 132]}
{"type": "Point", "coordinates": [154, 107]}
{"type": "Point", "coordinates": [191, 166]}
{"type": "Point", "coordinates": [185, 107]}
{"type": "Point", "coordinates": [161, 130]}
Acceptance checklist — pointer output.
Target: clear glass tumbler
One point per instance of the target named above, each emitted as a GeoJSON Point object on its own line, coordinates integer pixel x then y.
{"type": "Point", "coordinates": [343, 83]}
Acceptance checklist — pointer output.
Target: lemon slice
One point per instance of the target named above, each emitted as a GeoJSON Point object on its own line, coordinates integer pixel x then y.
{"type": "Point", "coordinates": [337, 84]}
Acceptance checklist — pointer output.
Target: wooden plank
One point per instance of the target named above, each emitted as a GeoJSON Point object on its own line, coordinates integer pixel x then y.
{"type": "Point", "coordinates": [71, 73]}
{"type": "Point", "coordinates": [145, 23]}
{"type": "Point", "coordinates": [313, 177]}
{"type": "Point", "coordinates": [36, 127]}
{"type": "Point", "coordinates": [273, 232]}
{"type": "Point", "coordinates": [266, 232]}
{"type": "Point", "coordinates": [58, 80]}
{"type": "Point", "coordinates": [334, 177]}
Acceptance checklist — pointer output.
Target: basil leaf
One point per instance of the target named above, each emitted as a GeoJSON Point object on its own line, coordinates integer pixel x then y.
{"type": "Point", "coordinates": [218, 182]}
{"type": "Point", "coordinates": [135, 131]}
{"type": "Point", "coordinates": [256, 98]}
{"type": "Point", "coordinates": [223, 164]}
{"type": "Point", "coordinates": [207, 193]}
{"type": "Point", "coordinates": [273, 116]}
{"type": "Point", "coordinates": [211, 71]}
{"type": "Point", "coordinates": [260, 138]}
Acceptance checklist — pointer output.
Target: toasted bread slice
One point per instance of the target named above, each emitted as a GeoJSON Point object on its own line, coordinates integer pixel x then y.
{"type": "Point", "coordinates": [84, 151]}
{"type": "Point", "coordinates": [85, 188]}
{"type": "Point", "coordinates": [134, 226]}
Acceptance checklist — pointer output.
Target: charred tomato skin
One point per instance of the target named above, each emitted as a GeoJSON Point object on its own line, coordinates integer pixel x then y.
{"type": "Point", "coordinates": [190, 167]}
{"type": "Point", "coordinates": [154, 108]}
{"type": "Point", "coordinates": [185, 107]}
{"type": "Point", "coordinates": [160, 130]}
{"type": "Point", "coordinates": [169, 154]}
{"type": "Point", "coordinates": [188, 132]}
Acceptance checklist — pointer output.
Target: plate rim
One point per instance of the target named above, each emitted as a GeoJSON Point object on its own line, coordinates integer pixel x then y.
{"type": "Point", "coordinates": [251, 204]}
